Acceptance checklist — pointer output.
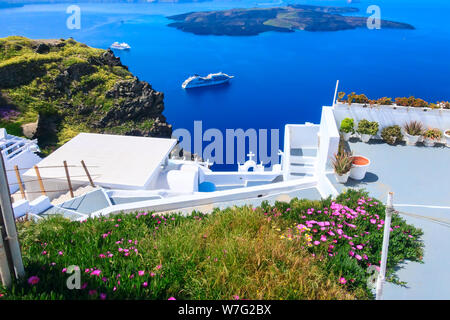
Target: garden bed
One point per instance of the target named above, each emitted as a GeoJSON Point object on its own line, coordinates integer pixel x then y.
{"type": "Point", "coordinates": [298, 250]}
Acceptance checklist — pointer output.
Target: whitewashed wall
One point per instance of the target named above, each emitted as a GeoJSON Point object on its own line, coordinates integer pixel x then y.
{"type": "Point", "coordinates": [328, 140]}
{"type": "Point", "coordinates": [393, 115]}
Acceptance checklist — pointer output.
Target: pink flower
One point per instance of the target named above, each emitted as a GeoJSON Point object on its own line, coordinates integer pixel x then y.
{"type": "Point", "coordinates": [316, 243]}
{"type": "Point", "coordinates": [60, 253]}
{"type": "Point", "coordinates": [44, 253]}
{"type": "Point", "coordinates": [236, 297]}
{"type": "Point", "coordinates": [64, 270]}
{"type": "Point", "coordinates": [171, 298]}
{"type": "Point", "coordinates": [141, 273]}
{"type": "Point", "coordinates": [103, 296]}
{"type": "Point", "coordinates": [358, 257]}
{"type": "Point", "coordinates": [33, 280]}
{"type": "Point", "coordinates": [95, 273]}
{"type": "Point", "coordinates": [359, 247]}
{"type": "Point", "coordinates": [342, 280]}
{"type": "Point", "coordinates": [323, 238]}
{"type": "Point", "coordinates": [158, 266]}
{"type": "Point", "coordinates": [152, 274]}
{"type": "Point", "coordinates": [145, 284]}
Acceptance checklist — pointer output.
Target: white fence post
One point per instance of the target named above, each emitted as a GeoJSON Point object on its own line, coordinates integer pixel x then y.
{"type": "Point", "coordinates": [9, 222]}
{"type": "Point", "coordinates": [5, 273]}
{"type": "Point", "coordinates": [384, 253]}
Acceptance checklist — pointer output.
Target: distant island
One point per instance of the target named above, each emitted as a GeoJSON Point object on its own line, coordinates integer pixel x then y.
{"type": "Point", "coordinates": [253, 21]}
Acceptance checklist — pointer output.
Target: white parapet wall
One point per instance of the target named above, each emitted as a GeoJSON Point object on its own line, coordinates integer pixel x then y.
{"type": "Point", "coordinates": [393, 115]}
{"type": "Point", "coordinates": [328, 140]}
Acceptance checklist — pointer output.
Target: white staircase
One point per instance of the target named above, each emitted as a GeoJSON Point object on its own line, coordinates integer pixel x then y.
{"type": "Point", "coordinates": [302, 162]}
{"type": "Point", "coordinates": [300, 151]}
{"type": "Point", "coordinates": [78, 192]}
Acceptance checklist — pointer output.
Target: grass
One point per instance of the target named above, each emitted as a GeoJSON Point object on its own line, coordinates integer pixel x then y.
{"type": "Point", "coordinates": [28, 81]}
{"type": "Point", "coordinates": [250, 253]}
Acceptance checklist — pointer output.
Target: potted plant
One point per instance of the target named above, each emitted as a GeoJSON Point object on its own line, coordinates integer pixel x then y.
{"type": "Point", "coordinates": [431, 136]}
{"type": "Point", "coordinates": [347, 128]}
{"type": "Point", "coordinates": [413, 132]}
{"type": "Point", "coordinates": [367, 129]}
{"type": "Point", "coordinates": [342, 163]}
{"type": "Point", "coordinates": [359, 168]}
{"type": "Point", "coordinates": [447, 137]}
{"type": "Point", "coordinates": [392, 134]}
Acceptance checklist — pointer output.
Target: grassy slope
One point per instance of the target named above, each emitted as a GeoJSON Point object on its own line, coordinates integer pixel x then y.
{"type": "Point", "coordinates": [40, 95]}
{"type": "Point", "coordinates": [245, 252]}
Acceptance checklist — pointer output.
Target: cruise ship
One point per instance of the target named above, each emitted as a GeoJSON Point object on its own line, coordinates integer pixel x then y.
{"type": "Point", "coordinates": [209, 80]}
{"type": "Point", "coordinates": [120, 46]}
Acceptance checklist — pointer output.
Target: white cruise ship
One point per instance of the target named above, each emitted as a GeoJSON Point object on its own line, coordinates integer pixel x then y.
{"type": "Point", "coordinates": [120, 46]}
{"type": "Point", "coordinates": [209, 80]}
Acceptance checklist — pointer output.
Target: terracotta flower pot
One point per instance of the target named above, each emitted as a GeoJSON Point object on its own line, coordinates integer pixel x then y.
{"type": "Point", "coordinates": [359, 167]}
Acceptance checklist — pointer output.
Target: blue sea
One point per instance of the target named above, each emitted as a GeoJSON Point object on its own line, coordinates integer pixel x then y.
{"type": "Point", "coordinates": [280, 78]}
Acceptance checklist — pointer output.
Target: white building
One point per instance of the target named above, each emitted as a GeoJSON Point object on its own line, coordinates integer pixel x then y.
{"type": "Point", "coordinates": [17, 151]}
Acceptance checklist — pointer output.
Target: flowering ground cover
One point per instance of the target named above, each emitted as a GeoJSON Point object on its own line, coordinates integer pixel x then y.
{"type": "Point", "coordinates": [298, 250]}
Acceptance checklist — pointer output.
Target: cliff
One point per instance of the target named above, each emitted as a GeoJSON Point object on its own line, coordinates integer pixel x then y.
{"type": "Point", "coordinates": [64, 87]}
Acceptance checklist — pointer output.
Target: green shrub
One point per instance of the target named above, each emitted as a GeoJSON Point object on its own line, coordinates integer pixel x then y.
{"type": "Point", "coordinates": [367, 127]}
{"type": "Point", "coordinates": [347, 125]}
{"type": "Point", "coordinates": [392, 134]}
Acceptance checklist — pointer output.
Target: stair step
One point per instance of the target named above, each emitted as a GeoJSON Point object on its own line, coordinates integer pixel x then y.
{"type": "Point", "coordinates": [302, 169]}
{"type": "Point", "coordinates": [302, 159]}
{"type": "Point", "coordinates": [305, 152]}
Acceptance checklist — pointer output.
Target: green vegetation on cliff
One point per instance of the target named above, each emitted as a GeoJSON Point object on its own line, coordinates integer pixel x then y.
{"type": "Point", "coordinates": [59, 88]}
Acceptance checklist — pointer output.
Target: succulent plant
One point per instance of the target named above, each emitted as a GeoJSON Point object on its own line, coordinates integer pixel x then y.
{"type": "Point", "coordinates": [433, 134]}
{"type": "Point", "coordinates": [342, 162]}
{"type": "Point", "coordinates": [392, 134]}
{"type": "Point", "coordinates": [413, 128]}
{"type": "Point", "coordinates": [367, 127]}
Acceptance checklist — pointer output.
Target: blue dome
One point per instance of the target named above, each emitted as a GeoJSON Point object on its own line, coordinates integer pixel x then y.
{"type": "Point", "coordinates": [206, 187]}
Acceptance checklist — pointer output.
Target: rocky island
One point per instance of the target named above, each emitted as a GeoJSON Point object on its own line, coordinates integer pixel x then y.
{"type": "Point", "coordinates": [245, 22]}
{"type": "Point", "coordinates": [53, 89]}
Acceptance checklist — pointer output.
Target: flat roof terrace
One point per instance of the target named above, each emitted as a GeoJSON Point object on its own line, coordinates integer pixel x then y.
{"type": "Point", "coordinates": [113, 160]}
{"type": "Point", "coordinates": [420, 179]}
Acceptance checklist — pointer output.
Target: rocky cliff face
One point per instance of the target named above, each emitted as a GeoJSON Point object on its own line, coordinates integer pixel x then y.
{"type": "Point", "coordinates": [68, 87]}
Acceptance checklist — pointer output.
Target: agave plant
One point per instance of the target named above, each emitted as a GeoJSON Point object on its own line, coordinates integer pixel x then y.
{"type": "Point", "coordinates": [342, 162]}
{"type": "Point", "coordinates": [413, 128]}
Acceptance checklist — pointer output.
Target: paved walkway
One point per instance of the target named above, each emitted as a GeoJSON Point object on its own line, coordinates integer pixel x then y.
{"type": "Point", "coordinates": [418, 176]}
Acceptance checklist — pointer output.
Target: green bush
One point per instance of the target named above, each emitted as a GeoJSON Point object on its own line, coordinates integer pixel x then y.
{"type": "Point", "coordinates": [347, 125]}
{"type": "Point", "coordinates": [392, 134]}
{"type": "Point", "coordinates": [367, 127]}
